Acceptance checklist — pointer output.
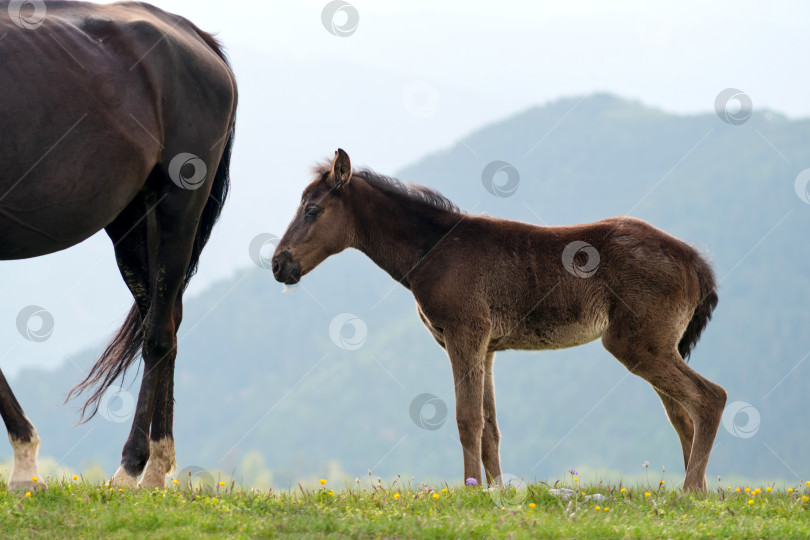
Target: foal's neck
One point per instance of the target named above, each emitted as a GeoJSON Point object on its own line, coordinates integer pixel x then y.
{"type": "Point", "coordinates": [396, 230]}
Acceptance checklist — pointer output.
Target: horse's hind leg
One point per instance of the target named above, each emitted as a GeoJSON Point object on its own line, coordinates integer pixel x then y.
{"type": "Point", "coordinates": [682, 423]}
{"type": "Point", "coordinates": [491, 437]}
{"type": "Point", "coordinates": [24, 441]}
{"type": "Point", "coordinates": [660, 364]}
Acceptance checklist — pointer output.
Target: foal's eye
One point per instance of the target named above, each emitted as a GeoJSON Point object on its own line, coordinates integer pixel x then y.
{"type": "Point", "coordinates": [311, 212]}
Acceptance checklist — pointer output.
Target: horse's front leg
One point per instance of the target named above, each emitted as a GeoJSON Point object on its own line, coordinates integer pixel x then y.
{"type": "Point", "coordinates": [467, 348]}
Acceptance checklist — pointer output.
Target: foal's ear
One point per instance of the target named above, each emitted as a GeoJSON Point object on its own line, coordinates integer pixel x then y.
{"type": "Point", "coordinates": [341, 169]}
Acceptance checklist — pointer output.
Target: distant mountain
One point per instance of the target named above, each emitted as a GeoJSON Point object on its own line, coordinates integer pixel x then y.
{"type": "Point", "coordinates": [258, 369]}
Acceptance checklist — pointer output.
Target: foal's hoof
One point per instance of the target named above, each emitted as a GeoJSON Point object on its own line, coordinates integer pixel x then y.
{"type": "Point", "coordinates": [26, 484]}
{"type": "Point", "coordinates": [122, 478]}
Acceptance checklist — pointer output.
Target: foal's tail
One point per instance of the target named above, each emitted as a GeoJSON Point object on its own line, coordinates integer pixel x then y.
{"type": "Point", "coordinates": [126, 346]}
{"type": "Point", "coordinates": [703, 310]}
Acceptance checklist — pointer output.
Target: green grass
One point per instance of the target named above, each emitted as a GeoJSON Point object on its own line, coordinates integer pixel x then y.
{"type": "Point", "coordinates": [78, 509]}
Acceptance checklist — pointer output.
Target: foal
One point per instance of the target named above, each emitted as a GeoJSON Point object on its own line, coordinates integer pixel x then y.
{"type": "Point", "coordinates": [484, 285]}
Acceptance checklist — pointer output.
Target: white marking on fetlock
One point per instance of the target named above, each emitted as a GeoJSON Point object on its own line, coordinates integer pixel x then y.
{"type": "Point", "coordinates": [122, 478]}
{"type": "Point", "coordinates": [24, 469]}
{"type": "Point", "coordinates": [160, 464]}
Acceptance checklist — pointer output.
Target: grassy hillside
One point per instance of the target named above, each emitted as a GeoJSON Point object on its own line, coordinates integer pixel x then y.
{"type": "Point", "coordinates": [258, 370]}
{"type": "Point", "coordinates": [77, 509]}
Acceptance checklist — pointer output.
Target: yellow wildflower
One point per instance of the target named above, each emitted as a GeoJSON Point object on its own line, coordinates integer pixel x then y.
{"type": "Point", "coordinates": [396, 495]}
{"type": "Point", "coordinates": [331, 493]}
{"type": "Point", "coordinates": [435, 495]}
{"type": "Point", "coordinates": [27, 493]}
{"type": "Point", "coordinates": [623, 490]}
{"type": "Point", "coordinates": [768, 489]}
{"type": "Point", "coordinates": [323, 481]}
{"type": "Point", "coordinates": [597, 507]}
{"type": "Point", "coordinates": [646, 493]}
{"type": "Point", "coordinates": [75, 476]}
{"type": "Point", "coordinates": [532, 505]}
{"type": "Point", "coordinates": [222, 482]}
{"type": "Point", "coordinates": [751, 501]}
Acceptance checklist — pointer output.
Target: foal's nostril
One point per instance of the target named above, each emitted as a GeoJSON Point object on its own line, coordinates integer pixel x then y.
{"type": "Point", "coordinates": [275, 266]}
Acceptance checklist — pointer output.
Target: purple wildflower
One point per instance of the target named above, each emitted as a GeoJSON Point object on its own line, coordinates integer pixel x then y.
{"type": "Point", "coordinates": [471, 482]}
{"type": "Point", "coordinates": [573, 471]}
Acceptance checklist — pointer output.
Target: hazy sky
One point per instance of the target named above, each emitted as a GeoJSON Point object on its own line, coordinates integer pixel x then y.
{"type": "Point", "coordinates": [413, 78]}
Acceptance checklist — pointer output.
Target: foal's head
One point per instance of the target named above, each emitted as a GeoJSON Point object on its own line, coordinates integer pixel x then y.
{"type": "Point", "coordinates": [322, 225]}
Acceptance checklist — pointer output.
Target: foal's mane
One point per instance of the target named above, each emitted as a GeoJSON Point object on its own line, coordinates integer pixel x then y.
{"type": "Point", "coordinates": [397, 188]}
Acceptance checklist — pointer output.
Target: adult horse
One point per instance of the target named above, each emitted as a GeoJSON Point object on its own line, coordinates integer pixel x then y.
{"type": "Point", "coordinates": [484, 285]}
{"type": "Point", "coordinates": [117, 117]}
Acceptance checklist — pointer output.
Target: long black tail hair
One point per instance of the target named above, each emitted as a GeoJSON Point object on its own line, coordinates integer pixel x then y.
{"type": "Point", "coordinates": [126, 346]}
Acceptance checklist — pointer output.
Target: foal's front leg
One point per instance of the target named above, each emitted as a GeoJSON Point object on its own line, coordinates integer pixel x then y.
{"type": "Point", "coordinates": [466, 353]}
{"type": "Point", "coordinates": [491, 437]}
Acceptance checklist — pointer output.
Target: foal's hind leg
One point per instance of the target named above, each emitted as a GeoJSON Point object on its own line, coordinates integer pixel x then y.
{"type": "Point", "coordinates": [24, 441]}
{"type": "Point", "coordinates": [491, 437]}
{"type": "Point", "coordinates": [682, 423]}
{"type": "Point", "coordinates": [663, 367]}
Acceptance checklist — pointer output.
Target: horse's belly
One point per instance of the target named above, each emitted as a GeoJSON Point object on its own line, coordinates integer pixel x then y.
{"type": "Point", "coordinates": [552, 336]}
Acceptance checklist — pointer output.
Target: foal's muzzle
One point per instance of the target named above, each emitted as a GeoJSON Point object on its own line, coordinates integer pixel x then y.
{"type": "Point", "coordinates": [285, 269]}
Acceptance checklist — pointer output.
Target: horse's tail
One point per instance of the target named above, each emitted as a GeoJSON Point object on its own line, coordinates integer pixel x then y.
{"type": "Point", "coordinates": [703, 310]}
{"type": "Point", "coordinates": [126, 346]}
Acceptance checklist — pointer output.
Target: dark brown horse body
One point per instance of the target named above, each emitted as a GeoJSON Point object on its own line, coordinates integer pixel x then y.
{"type": "Point", "coordinates": [483, 284]}
{"type": "Point", "coordinates": [115, 117]}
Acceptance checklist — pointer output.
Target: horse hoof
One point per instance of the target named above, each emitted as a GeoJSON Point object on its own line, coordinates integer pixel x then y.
{"type": "Point", "coordinates": [26, 484]}
{"type": "Point", "coordinates": [152, 480]}
{"type": "Point", "coordinates": [122, 478]}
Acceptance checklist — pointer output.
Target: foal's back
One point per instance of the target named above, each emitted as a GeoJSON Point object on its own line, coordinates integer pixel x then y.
{"type": "Point", "coordinates": [556, 287]}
